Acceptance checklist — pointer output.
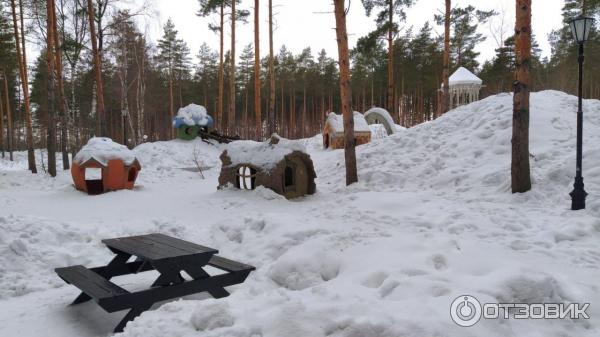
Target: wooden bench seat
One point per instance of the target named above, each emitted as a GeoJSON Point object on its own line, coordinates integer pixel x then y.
{"type": "Point", "coordinates": [92, 284]}
{"type": "Point", "coordinates": [229, 265]}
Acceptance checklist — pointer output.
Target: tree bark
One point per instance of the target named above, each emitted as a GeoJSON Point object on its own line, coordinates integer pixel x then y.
{"type": "Point", "coordinates": [520, 170]}
{"type": "Point", "coordinates": [390, 90]}
{"type": "Point", "coordinates": [50, 123]}
{"type": "Point", "coordinates": [345, 93]}
{"type": "Point", "coordinates": [272, 119]}
{"type": "Point", "coordinates": [445, 103]}
{"type": "Point", "coordinates": [22, 63]}
{"type": "Point", "coordinates": [171, 112]}
{"type": "Point", "coordinates": [221, 121]}
{"type": "Point", "coordinates": [2, 126]}
{"type": "Point", "coordinates": [101, 129]}
{"type": "Point", "coordinates": [9, 127]}
{"type": "Point", "coordinates": [232, 114]}
{"type": "Point", "coordinates": [257, 100]}
{"type": "Point", "coordinates": [62, 100]}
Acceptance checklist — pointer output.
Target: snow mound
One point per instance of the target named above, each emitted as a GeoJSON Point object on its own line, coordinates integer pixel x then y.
{"type": "Point", "coordinates": [103, 150]}
{"type": "Point", "coordinates": [337, 122]}
{"type": "Point", "coordinates": [191, 115]}
{"type": "Point", "coordinates": [378, 131]}
{"type": "Point", "coordinates": [262, 155]}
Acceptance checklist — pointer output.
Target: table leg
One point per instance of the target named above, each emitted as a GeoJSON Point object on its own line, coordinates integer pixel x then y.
{"type": "Point", "coordinates": [168, 275]}
{"type": "Point", "coordinates": [130, 316]}
{"type": "Point", "coordinates": [199, 274]}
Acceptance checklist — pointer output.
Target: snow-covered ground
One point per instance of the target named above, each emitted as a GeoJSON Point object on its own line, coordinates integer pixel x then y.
{"type": "Point", "coordinates": [431, 218]}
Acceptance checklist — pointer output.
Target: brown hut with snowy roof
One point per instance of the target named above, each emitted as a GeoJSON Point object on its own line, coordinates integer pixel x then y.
{"type": "Point", "coordinates": [103, 165]}
{"type": "Point", "coordinates": [333, 132]}
{"type": "Point", "coordinates": [280, 164]}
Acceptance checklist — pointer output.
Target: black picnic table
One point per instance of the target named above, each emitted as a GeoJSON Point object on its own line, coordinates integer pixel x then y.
{"type": "Point", "coordinates": [167, 255]}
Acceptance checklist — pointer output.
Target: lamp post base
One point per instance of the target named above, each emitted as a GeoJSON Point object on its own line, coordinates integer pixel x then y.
{"type": "Point", "coordinates": [578, 195]}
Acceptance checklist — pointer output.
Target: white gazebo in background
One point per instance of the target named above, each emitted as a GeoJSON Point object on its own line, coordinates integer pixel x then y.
{"type": "Point", "coordinates": [464, 87]}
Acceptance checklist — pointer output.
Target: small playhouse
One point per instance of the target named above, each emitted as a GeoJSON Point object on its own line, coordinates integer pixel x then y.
{"type": "Point", "coordinates": [381, 116]}
{"type": "Point", "coordinates": [333, 132]}
{"type": "Point", "coordinates": [103, 165]}
{"type": "Point", "coordinates": [190, 120]}
{"type": "Point", "coordinates": [279, 164]}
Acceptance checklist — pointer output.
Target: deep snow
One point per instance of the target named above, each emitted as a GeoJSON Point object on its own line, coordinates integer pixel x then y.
{"type": "Point", "coordinates": [431, 218]}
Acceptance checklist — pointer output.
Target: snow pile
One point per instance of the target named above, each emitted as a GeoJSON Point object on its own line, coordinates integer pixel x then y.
{"type": "Point", "coordinates": [337, 122]}
{"type": "Point", "coordinates": [378, 131]}
{"type": "Point", "coordinates": [431, 218]}
{"type": "Point", "coordinates": [464, 76]}
{"type": "Point", "coordinates": [262, 155]}
{"type": "Point", "coordinates": [191, 115]}
{"type": "Point", "coordinates": [383, 113]}
{"type": "Point", "coordinates": [103, 150]}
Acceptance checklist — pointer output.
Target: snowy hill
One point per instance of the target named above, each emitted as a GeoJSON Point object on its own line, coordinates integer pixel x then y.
{"type": "Point", "coordinates": [431, 218]}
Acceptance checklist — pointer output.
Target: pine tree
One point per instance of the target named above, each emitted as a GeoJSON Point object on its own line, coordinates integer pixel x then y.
{"type": "Point", "coordinates": [257, 100]}
{"type": "Point", "coordinates": [385, 23]}
{"type": "Point", "coordinates": [520, 170]}
{"type": "Point", "coordinates": [173, 60]}
{"type": "Point", "coordinates": [7, 67]}
{"type": "Point", "coordinates": [346, 95]}
{"type": "Point", "coordinates": [465, 21]}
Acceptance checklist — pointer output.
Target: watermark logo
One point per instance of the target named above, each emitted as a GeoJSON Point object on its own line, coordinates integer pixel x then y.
{"type": "Point", "coordinates": [466, 310]}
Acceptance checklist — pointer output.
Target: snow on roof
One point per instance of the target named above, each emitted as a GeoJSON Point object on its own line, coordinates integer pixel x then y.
{"type": "Point", "coordinates": [464, 76]}
{"type": "Point", "coordinates": [192, 114]}
{"type": "Point", "coordinates": [384, 113]}
{"type": "Point", "coordinates": [102, 150]}
{"type": "Point", "coordinates": [337, 122]}
{"type": "Point", "coordinates": [262, 155]}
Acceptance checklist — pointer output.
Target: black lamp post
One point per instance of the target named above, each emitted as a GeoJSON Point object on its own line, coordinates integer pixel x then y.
{"type": "Point", "coordinates": [580, 27]}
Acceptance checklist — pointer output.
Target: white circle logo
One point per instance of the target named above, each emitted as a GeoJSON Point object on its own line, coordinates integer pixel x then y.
{"type": "Point", "coordinates": [465, 310]}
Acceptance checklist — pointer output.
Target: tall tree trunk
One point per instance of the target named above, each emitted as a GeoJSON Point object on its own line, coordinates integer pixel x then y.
{"type": "Point", "coordinates": [520, 170]}
{"type": "Point", "coordinates": [9, 126]}
{"type": "Point", "coordinates": [51, 123]}
{"type": "Point", "coordinates": [2, 125]}
{"type": "Point", "coordinates": [232, 114]}
{"type": "Point", "coordinates": [22, 62]}
{"type": "Point", "coordinates": [221, 120]}
{"type": "Point", "coordinates": [101, 128]}
{"type": "Point", "coordinates": [345, 93]}
{"type": "Point", "coordinates": [62, 102]}
{"type": "Point", "coordinates": [272, 119]}
{"type": "Point", "coordinates": [445, 103]}
{"type": "Point", "coordinates": [171, 112]}
{"type": "Point", "coordinates": [257, 100]}
{"type": "Point", "coordinates": [390, 89]}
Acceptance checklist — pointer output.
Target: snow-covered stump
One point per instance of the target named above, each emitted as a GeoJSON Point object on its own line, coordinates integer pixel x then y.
{"type": "Point", "coordinates": [280, 164]}
{"type": "Point", "coordinates": [117, 167]}
{"type": "Point", "coordinates": [333, 132]}
{"type": "Point", "coordinates": [190, 120]}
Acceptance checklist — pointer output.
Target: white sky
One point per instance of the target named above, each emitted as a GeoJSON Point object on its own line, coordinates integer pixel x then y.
{"type": "Point", "coordinates": [309, 23]}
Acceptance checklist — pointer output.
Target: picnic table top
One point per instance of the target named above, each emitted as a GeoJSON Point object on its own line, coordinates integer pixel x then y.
{"type": "Point", "coordinates": [157, 247]}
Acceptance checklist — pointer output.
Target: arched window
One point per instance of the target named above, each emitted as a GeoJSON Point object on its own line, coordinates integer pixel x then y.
{"type": "Point", "coordinates": [246, 178]}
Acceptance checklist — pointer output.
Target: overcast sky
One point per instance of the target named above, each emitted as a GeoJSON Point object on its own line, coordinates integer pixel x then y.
{"type": "Point", "coordinates": [310, 23]}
